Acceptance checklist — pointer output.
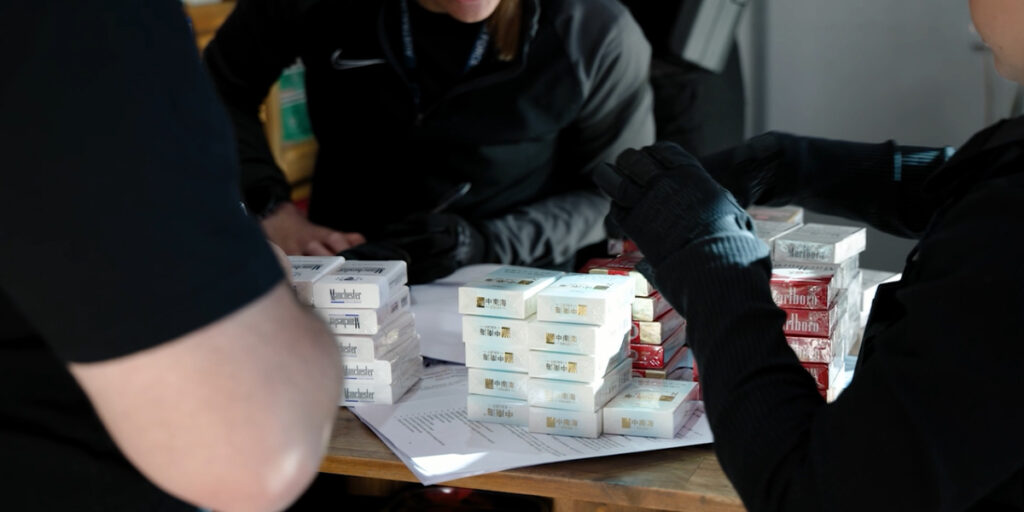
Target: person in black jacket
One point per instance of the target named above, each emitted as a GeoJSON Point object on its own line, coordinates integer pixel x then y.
{"type": "Point", "coordinates": [933, 417]}
{"type": "Point", "coordinates": [411, 100]}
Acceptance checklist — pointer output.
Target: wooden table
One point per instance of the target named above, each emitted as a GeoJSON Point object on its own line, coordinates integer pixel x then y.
{"type": "Point", "coordinates": [677, 479]}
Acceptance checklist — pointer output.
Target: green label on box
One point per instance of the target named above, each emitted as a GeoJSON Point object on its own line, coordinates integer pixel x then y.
{"type": "Point", "coordinates": [295, 126]}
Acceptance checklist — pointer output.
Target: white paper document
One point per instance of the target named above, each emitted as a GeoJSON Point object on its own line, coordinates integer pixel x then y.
{"type": "Point", "coordinates": [436, 306]}
{"type": "Point", "coordinates": [429, 431]}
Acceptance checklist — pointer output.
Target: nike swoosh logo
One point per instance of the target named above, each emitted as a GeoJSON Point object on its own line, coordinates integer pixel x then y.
{"type": "Point", "coordinates": [339, 63]}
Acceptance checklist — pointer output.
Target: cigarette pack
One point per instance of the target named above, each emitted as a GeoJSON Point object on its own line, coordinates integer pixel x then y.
{"type": "Point", "coordinates": [621, 246]}
{"type": "Point", "coordinates": [492, 409]}
{"type": "Point", "coordinates": [769, 230]}
{"type": "Point", "coordinates": [658, 330]}
{"type": "Point", "coordinates": [817, 350]}
{"type": "Point", "coordinates": [651, 408]}
{"type": "Point", "coordinates": [801, 288]}
{"type": "Point", "coordinates": [509, 292]}
{"type": "Point", "coordinates": [365, 321]}
{"type": "Point", "coordinates": [578, 338]}
{"type": "Point", "coordinates": [495, 355]}
{"type": "Point", "coordinates": [842, 272]}
{"type": "Point", "coordinates": [625, 265]}
{"type": "Point", "coordinates": [498, 383]}
{"type": "Point", "coordinates": [508, 331]}
{"type": "Point", "coordinates": [585, 299]}
{"type": "Point", "coordinates": [794, 214]}
{"type": "Point", "coordinates": [579, 396]}
{"type": "Point", "coordinates": [646, 309]}
{"type": "Point", "coordinates": [820, 243]}
{"type": "Point", "coordinates": [306, 270]}
{"type": "Point", "coordinates": [593, 263]}
{"type": "Point", "coordinates": [854, 294]}
{"type": "Point", "coordinates": [655, 356]}
{"type": "Point", "coordinates": [358, 347]}
{"type": "Point", "coordinates": [362, 392]}
{"type": "Point", "coordinates": [825, 373]}
{"type": "Point", "coordinates": [360, 284]}
{"type": "Point", "coordinates": [678, 367]}
{"type": "Point", "coordinates": [565, 423]}
{"type": "Point", "coordinates": [396, 364]}
{"type": "Point", "coordinates": [814, 322]}
{"type": "Point", "coordinates": [575, 367]}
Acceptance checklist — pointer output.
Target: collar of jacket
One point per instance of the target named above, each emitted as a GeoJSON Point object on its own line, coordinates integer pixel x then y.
{"type": "Point", "coordinates": [979, 159]}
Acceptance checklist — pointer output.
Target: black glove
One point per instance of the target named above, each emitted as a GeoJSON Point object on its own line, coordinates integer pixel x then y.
{"type": "Point", "coordinates": [436, 244]}
{"type": "Point", "coordinates": [753, 171]}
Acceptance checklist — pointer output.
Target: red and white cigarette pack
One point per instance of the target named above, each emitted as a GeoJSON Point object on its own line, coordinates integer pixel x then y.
{"type": "Point", "coordinates": [802, 288]}
{"type": "Point", "coordinates": [814, 322]}
{"type": "Point", "coordinates": [817, 350]}
{"type": "Point", "coordinates": [655, 356]}
{"type": "Point", "coordinates": [657, 331]}
{"type": "Point", "coordinates": [678, 367]}
{"type": "Point", "coordinates": [825, 373]}
{"type": "Point", "coordinates": [820, 243]}
{"type": "Point", "coordinates": [625, 265]}
{"type": "Point", "coordinates": [646, 309]}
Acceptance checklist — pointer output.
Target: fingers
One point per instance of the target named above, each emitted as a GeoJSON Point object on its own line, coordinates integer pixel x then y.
{"type": "Point", "coordinates": [335, 241]}
{"type": "Point", "coordinates": [317, 248]}
{"type": "Point", "coordinates": [355, 239]}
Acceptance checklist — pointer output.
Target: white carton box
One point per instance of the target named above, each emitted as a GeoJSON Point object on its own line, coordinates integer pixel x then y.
{"type": "Point", "coordinates": [586, 299]}
{"type": "Point", "coordinates": [579, 396]}
{"type": "Point", "coordinates": [509, 292]}
{"type": "Point", "coordinates": [495, 355]}
{"type": "Point", "coordinates": [360, 347]}
{"type": "Point", "coordinates": [510, 331]}
{"type": "Point", "coordinates": [492, 409]}
{"type": "Point", "coordinates": [575, 367]}
{"type": "Point", "coordinates": [306, 270]}
{"type": "Point", "coordinates": [362, 392]}
{"type": "Point", "coordinates": [651, 408]}
{"type": "Point", "coordinates": [577, 338]}
{"type": "Point", "coordinates": [360, 284]}
{"type": "Point", "coordinates": [820, 243]}
{"type": "Point", "coordinates": [565, 423]}
{"type": "Point", "coordinates": [365, 321]}
{"type": "Point", "coordinates": [498, 383]}
{"type": "Point", "coordinates": [394, 366]}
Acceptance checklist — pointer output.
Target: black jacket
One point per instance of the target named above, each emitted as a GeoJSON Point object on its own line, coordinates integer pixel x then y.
{"type": "Point", "coordinates": [525, 133]}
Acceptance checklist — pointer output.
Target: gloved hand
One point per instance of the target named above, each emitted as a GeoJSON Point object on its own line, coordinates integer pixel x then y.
{"type": "Point", "coordinates": [436, 244]}
{"type": "Point", "coordinates": [753, 171]}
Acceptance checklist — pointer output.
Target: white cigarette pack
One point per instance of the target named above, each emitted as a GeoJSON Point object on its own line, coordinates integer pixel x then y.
{"type": "Point", "coordinates": [769, 230]}
{"type": "Point", "coordinates": [363, 392]}
{"type": "Point", "coordinates": [509, 331]}
{"type": "Point", "coordinates": [495, 355]}
{"type": "Point", "coordinates": [820, 243]}
{"type": "Point", "coordinates": [586, 299]}
{"type": "Point", "coordinates": [575, 367]}
{"type": "Point", "coordinates": [646, 309]}
{"type": "Point", "coordinates": [579, 396]}
{"type": "Point", "coordinates": [651, 408]}
{"type": "Point", "coordinates": [365, 321]}
{"type": "Point", "coordinates": [509, 292]}
{"type": "Point", "coordinates": [396, 364]}
{"type": "Point", "coordinates": [565, 423]}
{"type": "Point", "coordinates": [360, 284]}
{"type": "Point", "coordinates": [306, 270]}
{"type": "Point", "coordinates": [498, 383]}
{"type": "Point", "coordinates": [794, 214]}
{"type": "Point", "coordinates": [492, 409]}
{"type": "Point", "coordinates": [577, 338]}
{"type": "Point", "coordinates": [362, 348]}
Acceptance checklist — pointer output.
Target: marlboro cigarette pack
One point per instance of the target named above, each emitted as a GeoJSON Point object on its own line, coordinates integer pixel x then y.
{"type": "Point", "coordinates": [579, 396]}
{"type": "Point", "coordinates": [625, 265]}
{"type": "Point", "coordinates": [509, 292]}
{"type": "Point", "coordinates": [817, 350]}
{"type": "Point", "coordinates": [801, 288]}
{"type": "Point", "coordinates": [365, 321]}
{"type": "Point", "coordinates": [362, 392]}
{"type": "Point", "coordinates": [789, 214]}
{"type": "Point", "coordinates": [820, 243]}
{"type": "Point", "coordinates": [360, 284]}
{"type": "Point", "coordinates": [814, 322]}
{"type": "Point", "coordinates": [578, 338]}
{"type": "Point", "coordinates": [492, 409]}
{"type": "Point", "coordinates": [651, 408]}
{"type": "Point", "coordinates": [565, 423]}
{"type": "Point", "coordinates": [574, 367]}
{"type": "Point", "coordinates": [509, 331]}
{"type": "Point", "coordinates": [585, 299]}
{"type": "Point", "coordinates": [842, 272]}
{"type": "Point", "coordinates": [655, 356]}
{"type": "Point", "coordinates": [768, 230]}
{"type": "Point", "coordinates": [658, 330]}
{"type": "Point", "coordinates": [393, 366]}
{"type": "Point", "coordinates": [824, 374]}
{"type": "Point", "coordinates": [646, 309]}
{"type": "Point", "coordinates": [306, 270]}
{"type": "Point", "coordinates": [495, 355]}
{"type": "Point", "coordinates": [676, 367]}
{"type": "Point", "coordinates": [498, 383]}
{"type": "Point", "coordinates": [356, 347]}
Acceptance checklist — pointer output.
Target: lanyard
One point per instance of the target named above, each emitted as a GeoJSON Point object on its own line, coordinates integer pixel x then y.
{"type": "Point", "coordinates": [475, 57]}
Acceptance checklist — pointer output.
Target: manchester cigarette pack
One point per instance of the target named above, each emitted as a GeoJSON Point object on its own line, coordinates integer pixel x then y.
{"type": "Point", "coordinates": [655, 356]}
{"type": "Point", "coordinates": [495, 355]}
{"type": "Point", "coordinates": [306, 270]}
{"type": "Point", "coordinates": [510, 331]}
{"type": "Point", "coordinates": [676, 368]}
{"type": "Point", "coordinates": [820, 243]}
{"type": "Point", "coordinates": [565, 423]}
{"type": "Point", "coordinates": [509, 292]}
{"type": "Point", "coordinates": [585, 299]}
{"type": "Point", "coordinates": [492, 409]}
{"type": "Point", "coordinates": [574, 367]}
{"type": "Point", "coordinates": [358, 347]}
{"type": "Point", "coordinates": [578, 338]}
{"type": "Point", "coordinates": [646, 309]}
{"type": "Point", "coordinates": [651, 408]}
{"type": "Point", "coordinates": [362, 392]}
{"type": "Point", "coordinates": [579, 396]}
{"type": "Point", "coordinates": [498, 383]}
{"type": "Point", "coordinates": [365, 321]}
{"type": "Point", "coordinates": [625, 265]}
{"type": "Point", "coordinates": [814, 322]}
{"type": "Point", "coordinates": [360, 284]}
{"type": "Point", "coordinates": [657, 331]}
{"type": "Point", "coordinates": [393, 366]}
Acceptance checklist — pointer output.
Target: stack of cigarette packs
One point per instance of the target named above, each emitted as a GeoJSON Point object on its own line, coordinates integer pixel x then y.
{"type": "Point", "coordinates": [366, 305]}
{"type": "Point", "coordinates": [651, 408]}
{"type": "Point", "coordinates": [579, 355]}
{"type": "Point", "coordinates": [498, 310]}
